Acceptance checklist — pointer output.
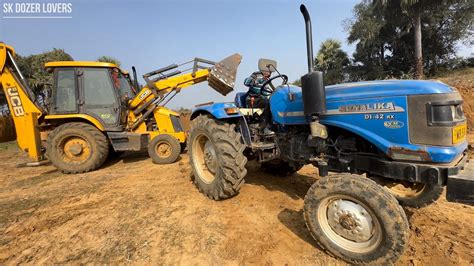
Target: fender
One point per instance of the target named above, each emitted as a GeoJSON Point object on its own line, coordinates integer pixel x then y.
{"type": "Point", "coordinates": [89, 118]}
{"type": "Point", "coordinates": [217, 110]}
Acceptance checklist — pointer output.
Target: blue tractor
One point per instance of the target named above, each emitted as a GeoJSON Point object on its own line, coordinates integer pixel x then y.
{"type": "Point", "coordinates": [377, 145]}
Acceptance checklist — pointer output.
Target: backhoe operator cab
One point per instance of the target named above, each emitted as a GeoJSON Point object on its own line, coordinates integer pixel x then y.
{"type": "Point", "coordinates": [96, 89]}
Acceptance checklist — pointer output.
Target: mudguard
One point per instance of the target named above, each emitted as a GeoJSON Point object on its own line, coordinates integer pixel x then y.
{"type": "Point", "coordinates": [217, 110]}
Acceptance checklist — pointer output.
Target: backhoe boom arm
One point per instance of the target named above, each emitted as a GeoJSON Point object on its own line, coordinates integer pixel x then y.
{"type": "Point", "coordinates": [21, 103]}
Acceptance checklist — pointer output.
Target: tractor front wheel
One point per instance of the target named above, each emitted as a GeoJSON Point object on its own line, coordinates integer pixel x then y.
{"type": "Point", "coordinates": [77, 148]}
{"type": "Point", "coordinates": [216, 150]}
{"type": "Point", "coordinates": [164, 149]}
{"type": "Point", "coordinates": [356, 220]}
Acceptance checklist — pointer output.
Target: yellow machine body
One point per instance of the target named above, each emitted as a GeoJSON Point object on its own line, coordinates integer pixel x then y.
{"type": "Point", "coordinates": [24, 111]}
{"type": "Point", "coordinates": [139, 117]}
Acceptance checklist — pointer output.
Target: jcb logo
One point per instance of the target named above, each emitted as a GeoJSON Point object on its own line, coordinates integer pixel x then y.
{"type": "Point", "coordinates": [15, 102]}
{"type": "Point", "coordinates": [145, 94]}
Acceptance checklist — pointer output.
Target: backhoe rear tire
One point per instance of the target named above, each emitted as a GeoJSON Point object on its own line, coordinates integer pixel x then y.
{"type": "Point", "coordinates": [164, 149]}
{"type": "Point", "coordinates": [77, 148]}
{"type": "Point", "coordinates": [215, 150]}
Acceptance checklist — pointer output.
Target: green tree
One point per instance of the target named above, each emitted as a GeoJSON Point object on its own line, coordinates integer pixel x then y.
{"type": "Point", "coordinates": [385, 40]}
{"type": "Point", "coordinates": [109, 59]}
{"type": "Point", "coordinates": [413, 9]}
{"type": "Point", "coordinates": [332, 60]}
{"type": "Point", "coordinates": [39, 79]}
{"type": "Point", "coordinates": [438, 24]}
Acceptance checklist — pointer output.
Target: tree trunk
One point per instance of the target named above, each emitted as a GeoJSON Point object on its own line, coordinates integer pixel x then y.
{"type": "Point", "coordinates": [418, 52]}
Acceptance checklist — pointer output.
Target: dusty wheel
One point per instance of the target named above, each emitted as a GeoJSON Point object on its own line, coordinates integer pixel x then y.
{"type": "Point", "coordinates": [281, 168]}
{"type": "Point", "coordinates": [216, 154]}
{"type": "Point", "coordinates": [411, 194]}
{"type": "Point", "coordinates": [356, 220]}
{"type": "Point", "coordinates": [164, 149]}
{"type": "Point", "coordinates": [77, 148]}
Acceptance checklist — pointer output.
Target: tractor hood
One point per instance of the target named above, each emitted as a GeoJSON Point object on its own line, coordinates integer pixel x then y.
{"type": "Point", "coordinates": [384, 88]}
{"type": "Point", "coordinates": [281, 103]}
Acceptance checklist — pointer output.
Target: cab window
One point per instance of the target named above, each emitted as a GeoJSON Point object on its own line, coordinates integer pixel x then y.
{"type": "Point", "coordinates": [65, 97]}
{"type": "Point", "coordinates": [122, 84]}
{"type": "Point", "coordinates": [98, 88]}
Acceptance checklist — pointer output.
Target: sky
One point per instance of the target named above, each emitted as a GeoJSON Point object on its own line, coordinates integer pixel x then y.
{"type": "Point", "coordinates": [152, 34]}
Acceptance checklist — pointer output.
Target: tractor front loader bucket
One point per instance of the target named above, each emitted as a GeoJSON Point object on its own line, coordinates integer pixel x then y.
{"type": "Point", "coordinates": [223, 74]}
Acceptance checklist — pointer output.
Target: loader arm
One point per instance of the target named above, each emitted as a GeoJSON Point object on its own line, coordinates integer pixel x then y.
{"type": "Point", "coordinates": [163, 84]}
{"type": "Point", "coordinates": [20, 98]}
{"type": "Point", "coordinates": [221, 75]}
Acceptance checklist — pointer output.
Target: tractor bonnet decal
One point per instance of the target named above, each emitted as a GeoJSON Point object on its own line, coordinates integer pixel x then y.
{"type": "Point", "coordinates": [381, 107]}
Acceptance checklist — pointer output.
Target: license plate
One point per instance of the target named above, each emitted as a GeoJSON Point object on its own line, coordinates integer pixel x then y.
{"type": "Point", "coordinates": [459, 133]}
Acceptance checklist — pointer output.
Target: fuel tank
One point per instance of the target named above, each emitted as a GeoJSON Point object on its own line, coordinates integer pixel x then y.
{"type": "Point", "coordinates": [382, 113]}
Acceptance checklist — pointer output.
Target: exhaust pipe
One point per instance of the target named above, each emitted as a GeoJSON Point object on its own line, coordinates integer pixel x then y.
{"type": "Point", "coordinates": [309, 38]}
{"type": "Point", "coordinates": [312, 85]}
{"type": "Point", "coordinates": [135, 79]}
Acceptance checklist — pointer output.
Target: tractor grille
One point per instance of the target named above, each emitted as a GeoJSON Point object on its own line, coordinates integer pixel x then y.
{"type": "Point", "coordinates": [432, 118]}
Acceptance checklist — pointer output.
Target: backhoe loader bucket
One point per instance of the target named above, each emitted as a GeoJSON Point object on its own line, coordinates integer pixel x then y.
{"type": "Point", "coordinates": [223, 74]}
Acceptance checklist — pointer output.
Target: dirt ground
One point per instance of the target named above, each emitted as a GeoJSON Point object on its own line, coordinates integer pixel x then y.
{"type": "Point", "coordinates": [133, 211]}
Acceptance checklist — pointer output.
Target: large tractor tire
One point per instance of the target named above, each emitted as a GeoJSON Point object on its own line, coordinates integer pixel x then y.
{"type": "Point", "coordinates": [281, 168]}
{"type": "Point", "coordinates": [164, 149]}
{"type": "Point", "coordinates": [77, 148]}
{"type": "Point", "coordinates": [411, 194]}
{"type": "Point", "coordinates": [216, 153]}
{"type": "Point", "coordinates": [354, 219]}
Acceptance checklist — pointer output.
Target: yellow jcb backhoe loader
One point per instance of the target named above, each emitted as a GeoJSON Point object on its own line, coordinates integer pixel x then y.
{"type": "Point", "coordinates": [93, 109]}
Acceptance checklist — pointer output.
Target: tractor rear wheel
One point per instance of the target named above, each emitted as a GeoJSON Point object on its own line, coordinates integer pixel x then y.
{"type": "Point", "coordinates": [216, 150]}
{"type": "Point", "coordinates": [77, 148]}
{"type": "Point", "coordinates": [356, 220]}
{"type": "Point", "coordinates": [281, 168]}
{"type": "Point", "coordinates": [411, 194]}
{"type": "Point", "coordinates": [164, 149]}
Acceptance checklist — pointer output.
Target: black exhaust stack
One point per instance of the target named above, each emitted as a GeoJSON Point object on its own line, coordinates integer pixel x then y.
{"type": "Point", "coordinates": [312, 87]}
{"type": "Point", "coordinates": [312, 84]}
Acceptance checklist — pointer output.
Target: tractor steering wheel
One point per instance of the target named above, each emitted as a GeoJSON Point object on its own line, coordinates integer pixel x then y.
{"type": "Point", "coordinates": [264, 91]}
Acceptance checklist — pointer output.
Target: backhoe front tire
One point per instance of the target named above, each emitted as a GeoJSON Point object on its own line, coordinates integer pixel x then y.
{"type": "Point", "coordinates": [354, 219]}
{"type": "Point", "coordinates": [77, 148]}
{"type": "Point", "coordinates": [216, 150]}
{"type": "Point", "coordinates": [164, 149]}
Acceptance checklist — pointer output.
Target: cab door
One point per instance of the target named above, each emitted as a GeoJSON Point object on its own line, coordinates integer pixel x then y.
{"type": "Point", "coordinates": [99, 98]}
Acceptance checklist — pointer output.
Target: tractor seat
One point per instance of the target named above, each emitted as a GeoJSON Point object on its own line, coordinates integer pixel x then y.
{"type": "Point", "coordinates": [241, 99]}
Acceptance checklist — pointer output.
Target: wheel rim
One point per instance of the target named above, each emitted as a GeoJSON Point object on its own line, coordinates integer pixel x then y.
{"type": "Point", "coordinates": [406, 189]}
{"type": "Point", "coordinates": [349, 224]}
{"type": "Point", "coordinates": [75, 149]}
{"type": "Point", "coordinates": [163, 149]}
{"type": "Point", "coordinates": [204, 158]}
